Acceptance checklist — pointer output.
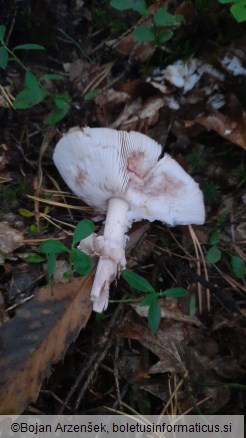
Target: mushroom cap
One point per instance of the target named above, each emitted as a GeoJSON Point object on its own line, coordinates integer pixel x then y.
{"type": "Point", "coordinates": [100, 163]}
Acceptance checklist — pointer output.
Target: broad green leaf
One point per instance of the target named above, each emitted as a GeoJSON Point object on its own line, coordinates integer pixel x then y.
{"type": "Point", "coordinates": [175, 292]}
{"type": "Point", "coordinates": [121, 5]}
{"type": "Point", "coordinates": [144, 33]}
{"type": "Point", "coordinates": [91, 94]}
{"type": "Point", "coordinates": [239, 12]}
{"type": "Point", "coordinates": [31, 95]}
{"type": "Point", "coordinates": [2, 31]}
{"type": "Point", "coordinates": [26, 213]}
{"type": "Point", "coordinates": [140, 7]}
{"type": "Point", "coordinates": [35, 259]}
{"type": "Point", "coordinates": [51, 77]}
{"type": "Point", "coordinates": [213, 254]}
{"type": "Point", "coordinates": [163, 18]}
{"type": "Point", "coordinates": [238, 267]}
{"type": "Point", "coordinates": [51, 264]}
{"type": "Point", "coordinates": [57, 115]}
{"type": "Point", "coordinates": [192, 305]}
{"type": "Point", "coordinates": [52, 247]}
{"type": "Point", "coordinates": [148, 299]}
{"type": "Point", "coordinates": [62, 104]}
{"type": "Point", "coordinates": [29, 47]}
{"type": "Point", "coordinates": [82, 262]}
{"type": "Point", "coordinates": [137, 281]}
{"type": "Point", "coordinates": [4, 58]}
{"type": "Point", "coordinates": [164, 35]}
{"type": "Point", "coordinates": [214, 239]}
{"type": "Point", "coordinates": [84, 229]}
{"type": "Point", "coordinates": [154, 316]}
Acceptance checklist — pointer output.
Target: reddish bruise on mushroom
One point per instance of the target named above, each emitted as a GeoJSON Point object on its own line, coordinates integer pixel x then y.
{"type": "Point", "coordinates": [120, 173]}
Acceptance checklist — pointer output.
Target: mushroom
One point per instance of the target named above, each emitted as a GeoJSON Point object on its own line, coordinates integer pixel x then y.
{"type": "Point", "coordinates": [121, 173]}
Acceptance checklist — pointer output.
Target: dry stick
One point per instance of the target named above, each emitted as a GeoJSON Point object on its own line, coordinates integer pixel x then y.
{"type": "Point", "coordinates": [116, 373]}
{"type": "Point", "coordinates": [105, 342]}
{"type": "Point", "coordinates": [199, 286]}
{"type": "Point", "coordinates": [204, 266]}
{"type": "Point", "coordinates": [61, 194]}
{"type": "Point", "coordinates": [60, 204]}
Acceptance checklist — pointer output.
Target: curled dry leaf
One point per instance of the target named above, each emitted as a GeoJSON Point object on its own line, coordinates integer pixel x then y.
{"type": "Point", "coordinates": [234, 131]}
{"type": "Point", "coordinates": [38, 336]}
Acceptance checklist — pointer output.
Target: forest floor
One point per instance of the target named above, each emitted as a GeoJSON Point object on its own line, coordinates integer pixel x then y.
{"type": "Point", "coordinates": [189, 94]}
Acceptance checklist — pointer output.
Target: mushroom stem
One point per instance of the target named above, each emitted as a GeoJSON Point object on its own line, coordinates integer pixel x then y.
{"type": "Point", "coordinates": [112, 252]}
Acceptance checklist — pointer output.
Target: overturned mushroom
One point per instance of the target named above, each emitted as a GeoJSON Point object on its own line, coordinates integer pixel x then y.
{"type": "Point", "coordinates": [120, 173]}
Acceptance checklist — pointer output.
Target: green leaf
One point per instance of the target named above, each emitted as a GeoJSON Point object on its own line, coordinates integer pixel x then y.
{"type": "Point", "coordinates": [121, 5]}
{"type": "Point", "coordinates": [4, 58]}
{"type": "Point", "coordinates": [224, 2]}
{"type": "Point", "coordinates": [62, 104]}
{"type": "Point", "coordinates": [51, 264]}
{"type": "Point", "coordinates": [238, 266]}
{"type": "Point", "coordinates": [239, 12]}
{"type": "Point", "coordinates": [84, 229]}
{"type": "Point", "coordinates": [82, 262]}
{"type": "Point", "coordinates": [29, 47]}
{"type": "Point", "coordinates": [35, 259]}
{"type": "Point", "coordinates": [2, 31]}
{"type": "Point", "coordinates": [192, 305]}
{"type": "Point", "coordinates": [213, 254]}
{"type": "Point", "coordinates": [137, 281]}
{"type": "Point", "coordinates": [140, 7]}
{"type": "Point", "coordinates": [52, 247]}
{"type": "Point", "coordinates": [31, 95]}
{"type": "Point", "coordinates": [175, 292]}
{"type": "Point", "coordinates": [144, 33]}
{"type": "Point", "coordinates": [26, 213]}
{"type": "Point", "coordinates": [149, 299]}
{"type": "Point", "coordinates": [57, 115]}
{"type": "Point", "coordinates": [164, 35]}
{"type": "Point", "coordinates": [91, 94]}
{"type": "Point", "coordinates": [51, 77]}
{"type": "Point", "coordinates": [154, 316]}
{"type": "Point", "coordinates": [214, 239]}
{"type": "Point", "coordinates": [163, 18]}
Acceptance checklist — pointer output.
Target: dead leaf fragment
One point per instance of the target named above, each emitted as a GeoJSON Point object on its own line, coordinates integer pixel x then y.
{"type": "Point", "coordinates": [234, 131]}
{"type": "Point", "coordinates": [10, 239]}
{"type": "Point", "coordinates": [38, 336]}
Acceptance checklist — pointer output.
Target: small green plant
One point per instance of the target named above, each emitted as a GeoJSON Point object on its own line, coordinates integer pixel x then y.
{"type": "Point", "coordinates": [162, 23]}
{"type": "Point", "coordinates": [210, 191]}
{"type": "Point", "coordinates": [34, 91]}
{"type": "Point", "coordinates": [238, 267]}
{"type": "Point", "coordinates": [197, 158]}
{"type": "Point", "coordinates": [214, 253]}
{"type": "Point", "coordinates": [151, 297]}
{"type": "Point", "coordinates": [237, 9]}
{"type": "Point", "coordinates": [79, 262]}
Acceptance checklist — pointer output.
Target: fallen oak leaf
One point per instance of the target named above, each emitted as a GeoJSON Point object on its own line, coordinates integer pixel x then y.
{"type": "Point", "coordinates": [38, 336]}
{"type": "Point", "coordinates": [234, 131]}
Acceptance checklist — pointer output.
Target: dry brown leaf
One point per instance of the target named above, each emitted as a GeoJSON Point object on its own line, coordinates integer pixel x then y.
{"type": "Point", "coordinates": [38, 336]}
{"type": "Point", "coordinates": [10, 239]}
{"type": "Point", "coordinates": [234, 131]}
{"type": "Point", "coordinates": [165, 344]}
